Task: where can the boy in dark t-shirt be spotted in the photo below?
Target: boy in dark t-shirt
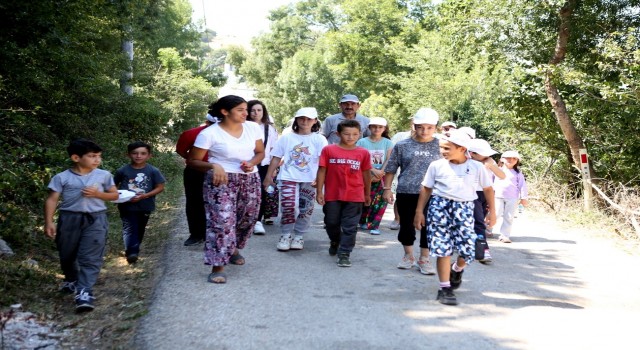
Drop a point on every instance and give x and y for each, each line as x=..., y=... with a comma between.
x=146, y=181
x=344, y=175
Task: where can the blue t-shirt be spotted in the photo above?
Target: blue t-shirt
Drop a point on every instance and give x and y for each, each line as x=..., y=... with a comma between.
x=378, y=150
x=139, y=181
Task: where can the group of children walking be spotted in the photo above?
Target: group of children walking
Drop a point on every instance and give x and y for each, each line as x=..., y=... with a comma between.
x=446, y=190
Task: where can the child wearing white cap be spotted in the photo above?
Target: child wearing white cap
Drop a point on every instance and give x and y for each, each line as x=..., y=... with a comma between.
x=509, y=191
x=449, y=187
x=379, y=146
x=413, y=156
x=299, y=152
x=481, y=151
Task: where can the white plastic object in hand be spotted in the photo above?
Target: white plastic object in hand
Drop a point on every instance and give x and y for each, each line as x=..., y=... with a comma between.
x=124, y=196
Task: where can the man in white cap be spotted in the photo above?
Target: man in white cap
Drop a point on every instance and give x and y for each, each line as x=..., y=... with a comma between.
x=349, y=104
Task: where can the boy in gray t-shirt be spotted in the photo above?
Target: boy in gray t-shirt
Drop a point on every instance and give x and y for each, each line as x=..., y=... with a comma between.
x=81, y=232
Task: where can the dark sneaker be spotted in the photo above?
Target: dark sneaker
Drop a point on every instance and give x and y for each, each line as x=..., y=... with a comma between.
x=343, y=260
x=446, y=296
x=333, y=248
x=455, y=278
x=191, y=241
x=132, y=258
x=84, y=301
x=68, y=287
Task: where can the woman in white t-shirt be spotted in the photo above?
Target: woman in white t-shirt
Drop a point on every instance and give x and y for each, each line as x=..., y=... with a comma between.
x=269, y=205
x=300, y=154
x=232, y=184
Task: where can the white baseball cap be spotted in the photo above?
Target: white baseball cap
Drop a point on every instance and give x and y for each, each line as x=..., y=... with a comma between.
x=511, y=154
x=308, y=112
x=426, y=116
x=349, y=98
x=378, y=121
x=458, y=137
x=449, y=124
x=469, y=131
x=481, y=147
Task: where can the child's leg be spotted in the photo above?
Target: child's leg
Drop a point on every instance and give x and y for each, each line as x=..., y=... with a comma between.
x=332, y=211
x=378, y=205
x=143, y=220
x=130, y=232
x=67, y=239
x=91, y=247
x=306, y=201
x=443, y=265
x=407, y=204
x=510, y=206
x=349, y=216
x=289, y=200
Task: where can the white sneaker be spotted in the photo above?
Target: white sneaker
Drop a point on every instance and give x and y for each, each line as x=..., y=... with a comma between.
x=258, y=229
x=487, y=257
x=394, y=225
x=285, y=243
x=407, y=262
x=426, y=268
x=297, y=243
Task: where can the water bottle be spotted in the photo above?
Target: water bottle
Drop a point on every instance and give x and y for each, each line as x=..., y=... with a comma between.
x=520, y=208
x=271, y=189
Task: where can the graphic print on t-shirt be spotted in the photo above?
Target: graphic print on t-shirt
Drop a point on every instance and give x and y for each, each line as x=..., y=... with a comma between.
x=300, y=157
x=377, y=157
x=353, y=164
x=139, y=183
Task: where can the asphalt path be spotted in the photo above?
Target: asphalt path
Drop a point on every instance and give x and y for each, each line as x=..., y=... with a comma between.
x=552, y=288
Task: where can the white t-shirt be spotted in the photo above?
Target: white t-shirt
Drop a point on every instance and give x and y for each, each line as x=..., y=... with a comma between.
x=457, y=182
x=300, y=154
x=229, y=151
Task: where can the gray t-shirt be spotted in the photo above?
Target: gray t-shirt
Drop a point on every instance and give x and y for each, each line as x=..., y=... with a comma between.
x=139, y=181
x=413, y=159
x=330, y=126
x=70, y=185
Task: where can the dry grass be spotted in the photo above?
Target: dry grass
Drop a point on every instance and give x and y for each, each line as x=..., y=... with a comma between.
x=602, y=221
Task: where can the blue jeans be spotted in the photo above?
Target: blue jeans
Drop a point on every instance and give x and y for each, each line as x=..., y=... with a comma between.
x=134, y=224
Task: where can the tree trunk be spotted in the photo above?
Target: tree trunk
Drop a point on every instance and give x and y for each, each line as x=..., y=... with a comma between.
x=553, y=95
x=557, y=103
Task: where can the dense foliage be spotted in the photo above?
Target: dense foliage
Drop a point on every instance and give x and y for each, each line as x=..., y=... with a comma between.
x=60, y=79
x=481, y=63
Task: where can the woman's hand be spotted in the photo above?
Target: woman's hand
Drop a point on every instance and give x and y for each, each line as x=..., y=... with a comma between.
x=376, y=175
x=268, y=181
x=246, y=166
x=219, y=175
x=388, y=196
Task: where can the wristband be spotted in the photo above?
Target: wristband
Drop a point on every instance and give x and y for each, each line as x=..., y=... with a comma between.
x=387, y=188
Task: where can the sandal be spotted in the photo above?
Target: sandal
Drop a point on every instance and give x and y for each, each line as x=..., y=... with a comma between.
x=214, y=275
x=237, y=259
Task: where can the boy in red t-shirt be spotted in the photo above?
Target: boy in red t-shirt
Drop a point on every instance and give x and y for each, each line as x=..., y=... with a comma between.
x=344, y=175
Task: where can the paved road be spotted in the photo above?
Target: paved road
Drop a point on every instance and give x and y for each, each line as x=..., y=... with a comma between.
x=550, y=289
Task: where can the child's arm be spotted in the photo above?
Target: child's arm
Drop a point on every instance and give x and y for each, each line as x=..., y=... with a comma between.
x=491, y=164
x=523, y=191
x=490, y=220
x=275, y=164
x=322, y=173
x=50, y=205
x=111, y=194
x=366, y=174
x=387, y=195
x=156, y=190
x=419, y=220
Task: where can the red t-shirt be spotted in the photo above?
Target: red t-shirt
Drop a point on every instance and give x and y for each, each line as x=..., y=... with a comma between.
x=188, y=138
x=344, y=180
